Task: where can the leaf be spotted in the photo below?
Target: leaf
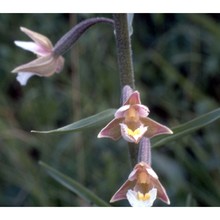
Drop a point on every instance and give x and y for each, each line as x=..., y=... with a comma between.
x=73, y=186
x=187, y=128
x=90, y=122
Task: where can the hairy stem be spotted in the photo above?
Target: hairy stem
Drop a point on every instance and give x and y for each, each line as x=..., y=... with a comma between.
x=123, y=43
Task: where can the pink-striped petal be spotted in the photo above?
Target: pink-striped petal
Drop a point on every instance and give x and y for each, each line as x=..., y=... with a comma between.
x=40, y=39
x=43, y=66
x=111, y=130
x=161, y=192
x=154, y=128
x=121, y=193
x=133, y=99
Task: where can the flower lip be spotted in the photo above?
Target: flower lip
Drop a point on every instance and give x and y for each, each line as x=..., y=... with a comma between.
x=23, y=77
x=138, y=199
x=132, y=135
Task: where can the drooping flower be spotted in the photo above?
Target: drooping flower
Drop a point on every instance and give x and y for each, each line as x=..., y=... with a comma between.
x=141, y=188
x=132, y=122
x=47, y=62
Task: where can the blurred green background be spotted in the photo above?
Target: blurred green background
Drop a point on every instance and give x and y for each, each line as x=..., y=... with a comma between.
x=176, y=63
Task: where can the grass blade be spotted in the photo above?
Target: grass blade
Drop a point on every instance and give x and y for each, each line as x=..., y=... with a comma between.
x=73, y=186
x=90, y=122
x=187, y=128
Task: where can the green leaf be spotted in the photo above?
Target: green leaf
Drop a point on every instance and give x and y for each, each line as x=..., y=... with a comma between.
x=74, y=186
x=187, y=128
x=90, y=122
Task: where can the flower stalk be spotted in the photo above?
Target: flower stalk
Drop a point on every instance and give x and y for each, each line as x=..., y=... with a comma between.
x=66, y=42
x=123, y=44
x=144, y=153
x=126, y=71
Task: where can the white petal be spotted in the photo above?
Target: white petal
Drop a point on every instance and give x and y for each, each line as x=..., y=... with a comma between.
x=152, y=173
x=143, y=111
x=133, y=200
x=120, y=112
x=31, y=46
x=23, y=77
x=153, y=196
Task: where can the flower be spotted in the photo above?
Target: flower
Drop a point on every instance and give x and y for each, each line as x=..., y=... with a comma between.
x=47, y=62
x=131, y=122
x=142, y=187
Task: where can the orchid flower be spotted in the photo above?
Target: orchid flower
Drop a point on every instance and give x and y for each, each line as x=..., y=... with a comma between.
x=142, y=187
x=47, y=62
x=132, y=122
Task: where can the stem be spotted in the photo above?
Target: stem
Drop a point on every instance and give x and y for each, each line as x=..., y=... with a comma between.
x=125, y=64
x=123, y=44
x=133, y=152
x=67, y=41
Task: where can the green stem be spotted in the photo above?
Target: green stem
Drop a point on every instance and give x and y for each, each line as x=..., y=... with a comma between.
x=133, y=152
x=123, y=43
